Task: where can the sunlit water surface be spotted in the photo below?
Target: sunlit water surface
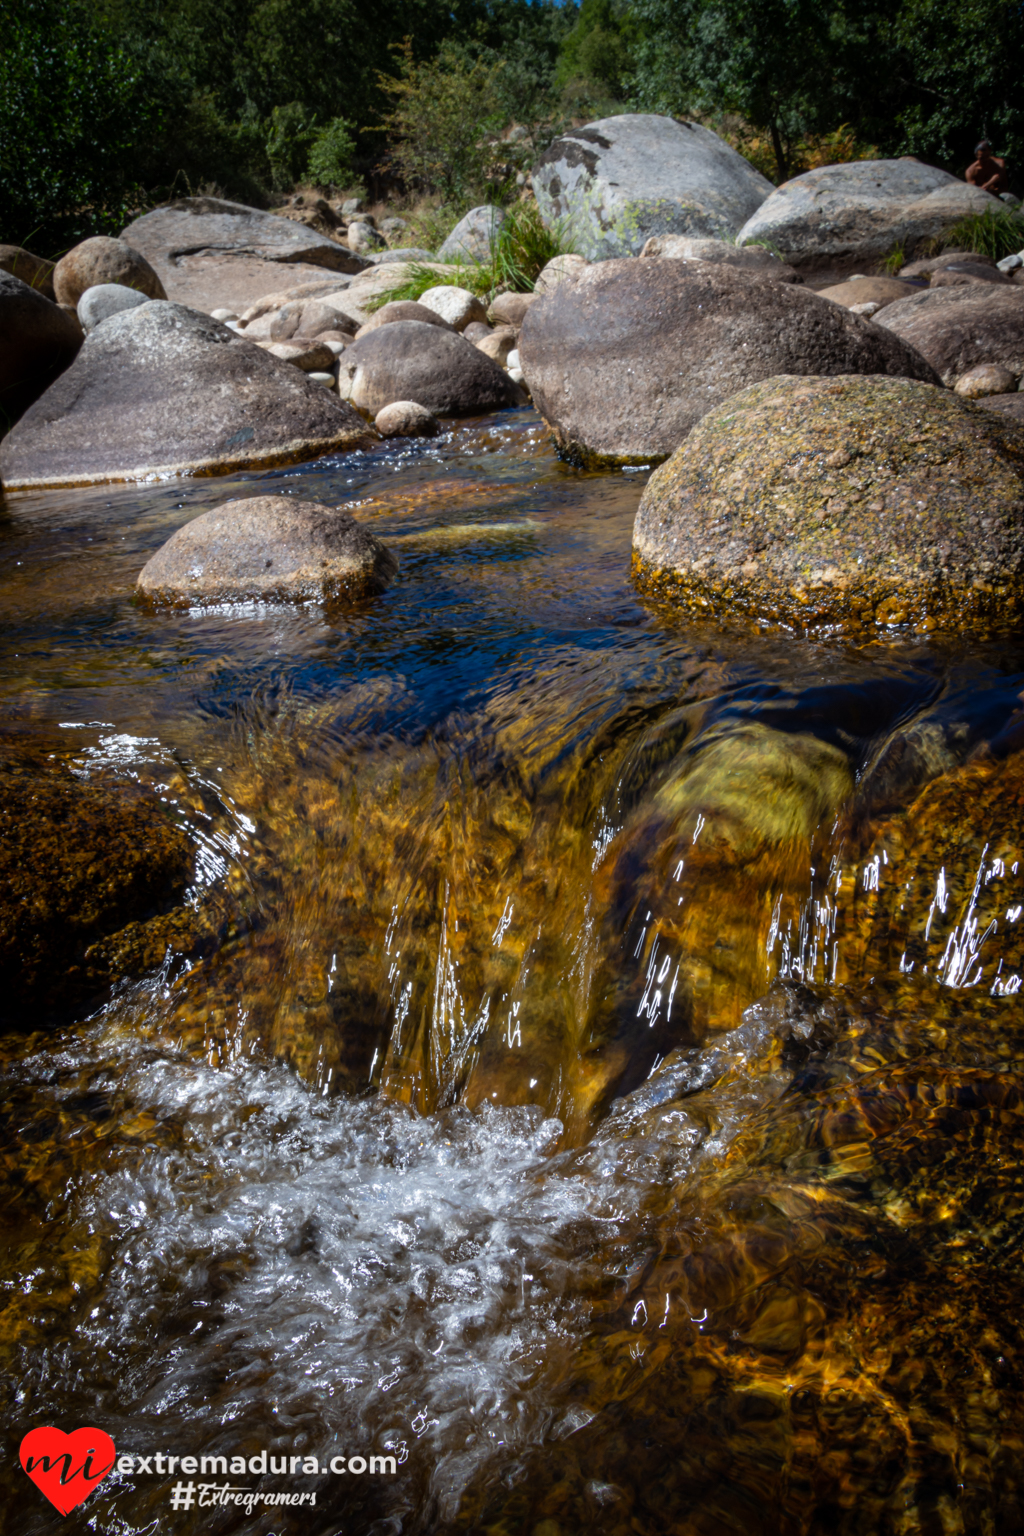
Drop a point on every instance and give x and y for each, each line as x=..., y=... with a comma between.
x=603, y=1095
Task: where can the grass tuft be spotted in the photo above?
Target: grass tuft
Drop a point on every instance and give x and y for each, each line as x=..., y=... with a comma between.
x=996, y=233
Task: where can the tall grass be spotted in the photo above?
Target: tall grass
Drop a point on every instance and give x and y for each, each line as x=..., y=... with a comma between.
x=520, y=251
x=997, y=232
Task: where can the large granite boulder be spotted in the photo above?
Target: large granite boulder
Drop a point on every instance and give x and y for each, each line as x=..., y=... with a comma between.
x=267, y=549
x=849, y=503
x=426, y=363
x=626, y=357
x=162, y=390
x=211, y=225
x=78, y=862
x=103, y=260
x=618, y=181
x=957, y=328
x=473, y=237
x=858, y=212
x=39, y=340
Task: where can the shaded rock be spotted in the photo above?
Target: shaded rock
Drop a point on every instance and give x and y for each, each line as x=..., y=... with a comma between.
x=412, y=361
x=362, y=238
x=926, y=265
x=624, y=360
x=1011, y=405
x=102, y=260
x=963, y=274
x=851, y=502
x=309, y=355
x=36, y=271
x=455, y=305
x=478, y=330
x=392, y=228
x=985, y=379
x=860, y=210
x=957, y=328
x=473, y=237
x=336, y=340
x=879, y=291
x=499, y=345
x=39, y=342
x=509, y=308
x=268, y=549
x=77, y=863
x=402, y=309
x=106, y=299
x=694, y=248
x=351, y=206
x=620, y=180
x=560, y=269
x=406, y=418
x=164, y=390
x=209, y=225
x=316, y=316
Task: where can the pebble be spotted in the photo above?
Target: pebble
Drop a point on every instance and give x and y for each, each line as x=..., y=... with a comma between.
x=327, y=379
x=223, y=314
x=406, y=418
x=985, y=379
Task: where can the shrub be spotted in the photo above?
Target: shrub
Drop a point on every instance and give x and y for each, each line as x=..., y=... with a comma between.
x=291, y=131
x=331, y=155
x=443, y=123
x=997, y=232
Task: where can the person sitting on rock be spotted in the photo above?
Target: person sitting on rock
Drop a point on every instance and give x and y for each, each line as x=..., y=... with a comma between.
x=988, y=170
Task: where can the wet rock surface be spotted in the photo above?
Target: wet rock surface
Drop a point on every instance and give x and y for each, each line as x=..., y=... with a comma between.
x=78, y=863
x=268, y=549
x=427, y=363
x=625, y=358
x=621, y=180
x=958, y=328
x=39, y=342
x=164, y=390
x=850, y=502
x=861, y=210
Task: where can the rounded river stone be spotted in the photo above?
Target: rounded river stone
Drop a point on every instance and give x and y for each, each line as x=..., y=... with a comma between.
x=851, y=503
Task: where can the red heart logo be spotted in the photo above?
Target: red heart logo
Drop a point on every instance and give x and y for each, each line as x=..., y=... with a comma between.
x=67, y=1467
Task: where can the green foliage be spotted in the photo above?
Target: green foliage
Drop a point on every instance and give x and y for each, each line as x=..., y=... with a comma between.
x=331, y=155
x=292, y=131
x=73, y=104
x=997, y=232
x=442, y=123
x=596, y=59
x=419, y=278
x=895, y=261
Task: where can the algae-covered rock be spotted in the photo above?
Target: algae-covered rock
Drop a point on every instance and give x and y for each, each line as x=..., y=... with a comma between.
x=850, y=502
x=79, y=862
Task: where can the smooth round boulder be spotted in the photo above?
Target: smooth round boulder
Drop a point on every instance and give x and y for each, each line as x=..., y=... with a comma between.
x=39, y=341
x=105, y=299
x=955, y=329
x=509, y=308
x=856, y=503
x=412, y=361
x=163, y=390
x=694, y=248
x=624, y=359
x=986, y=379
x=103, y=260
x=402, y=309
x=36, y=271
x=878, y=291
x=268, y=549
x=456, y=305
x=362, y=238
x=500, y=344
x=406, y=418
x=560, y=269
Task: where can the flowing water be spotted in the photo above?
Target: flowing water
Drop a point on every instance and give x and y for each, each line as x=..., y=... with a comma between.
x=602, y=1090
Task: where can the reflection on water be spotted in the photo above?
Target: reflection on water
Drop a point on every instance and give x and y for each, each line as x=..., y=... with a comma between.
x=603, y=1094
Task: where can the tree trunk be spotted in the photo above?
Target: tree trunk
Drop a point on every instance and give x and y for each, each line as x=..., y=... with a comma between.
x=780, y=153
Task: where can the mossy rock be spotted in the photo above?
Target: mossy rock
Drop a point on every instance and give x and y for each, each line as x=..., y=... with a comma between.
x=855, y=503
x=78, y=863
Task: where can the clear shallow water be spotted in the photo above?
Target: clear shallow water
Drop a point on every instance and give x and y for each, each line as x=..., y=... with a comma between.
x=605, y=1099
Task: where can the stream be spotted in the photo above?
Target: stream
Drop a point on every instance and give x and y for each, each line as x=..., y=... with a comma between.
x=602, y=1101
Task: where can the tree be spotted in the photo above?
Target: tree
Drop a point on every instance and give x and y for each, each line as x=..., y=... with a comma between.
x=442, y=117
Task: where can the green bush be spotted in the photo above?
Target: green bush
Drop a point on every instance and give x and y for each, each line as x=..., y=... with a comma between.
x=74, y=109
x=331, y=155
x=443, y=125
x=291, y=132
x=997, y=232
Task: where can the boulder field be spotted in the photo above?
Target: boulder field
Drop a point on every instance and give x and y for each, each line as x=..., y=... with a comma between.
x=853, y=503
x=620, y=180
x=162, y=390
x=625, y=358
x=267, y=549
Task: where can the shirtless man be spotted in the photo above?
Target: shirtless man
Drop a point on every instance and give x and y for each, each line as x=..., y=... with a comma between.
x=988, y=171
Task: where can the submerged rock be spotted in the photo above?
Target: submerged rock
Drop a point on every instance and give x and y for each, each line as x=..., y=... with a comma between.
x=40, y=340
x=78, y=862
x=849, y=502
x=427, y=363
x=162, y=390
x=958, y=328
x=620, y=180
x=103, y=260
x=625, y=358
x=268, y=549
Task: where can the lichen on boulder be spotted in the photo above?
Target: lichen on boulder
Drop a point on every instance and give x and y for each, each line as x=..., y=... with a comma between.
x=854, y=503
